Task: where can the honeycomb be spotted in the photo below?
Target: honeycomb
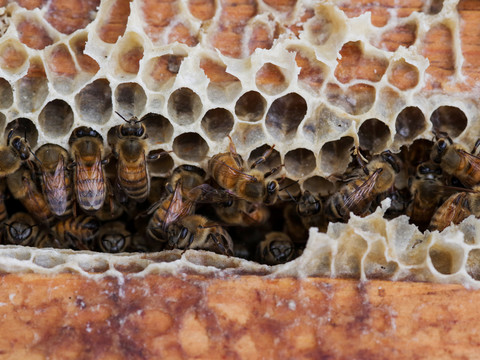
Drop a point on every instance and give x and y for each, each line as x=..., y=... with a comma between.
x=311, y=78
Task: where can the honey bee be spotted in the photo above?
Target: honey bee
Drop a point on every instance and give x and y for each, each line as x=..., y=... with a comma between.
x=56, y=181
x=457, y=161
x=24, y=189
x=89, y=176
x=113, y=237
x=77, y=232
x=45, y=239
x=12, y=155
x=198, y=232
x=242, y=213
x=20, y=229
x=358, y=193
x=229, y=171
x=276, y=248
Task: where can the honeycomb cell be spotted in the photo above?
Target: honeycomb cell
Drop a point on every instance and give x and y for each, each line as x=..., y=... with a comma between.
x=3, y=121
x=113, y=24
x=409, y=124
x=184, y=106
x=223, y=87
x=318, y=185
x=473, y=264
x=202, y=9
x=157, y=18
x=312, y=72
x=302, y=17
x=182, y=34
x=246, y=136
x=77, y=44
x=321, y=27
x=335, y=155
x=300, y=162
x=449, y=119
x=94, y=102
x=270, y=79
x=31, y=4
x=130, y=99
x=217, y=123
x=447, y=259
x=6, y=94
x=32, y=89
x=288, y=188
x=261, y=36
x=284, y=116
x=285, y=6
x=160, y=72
x=12, y=56
x=402, y=35
x=355, y=100
x=250, y=106
x=373, y=135
x=325, y=124
x=130, y=52
x=433, y=7
x=74, y=14
x=61, y=64
x=33, y=34
x=25, y=128
x=190, y=146
x=56, y=119
x=350, y=253
x=403, y=75
x=162, y=165
x=272, y=161
x=159, y=129
x=354, y=65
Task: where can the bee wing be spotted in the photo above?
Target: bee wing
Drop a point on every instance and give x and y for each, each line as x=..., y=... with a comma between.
x=229, y=171
x=473, y=160
x=56, y=187
x=362, y=191
x=178, y=207
x=90, y=184
x=208, y=194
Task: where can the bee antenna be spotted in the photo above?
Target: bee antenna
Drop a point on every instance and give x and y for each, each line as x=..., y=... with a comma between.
x=127, y=121
x=287, y=186
x=291, y=196
x=9, y=137
x=35, y=156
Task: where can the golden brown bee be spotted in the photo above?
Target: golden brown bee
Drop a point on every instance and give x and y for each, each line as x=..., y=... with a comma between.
x=198, y=232
x=457, y=161
x=229, y=171
x=240, y=212
x=113, y=237
x=45, y=239
x=20, y=229
x=24, y=189
x=56, y=181
x=277, y=248
x=89, y=176
x=12, y=155
x=77, y=232
x=357, y=194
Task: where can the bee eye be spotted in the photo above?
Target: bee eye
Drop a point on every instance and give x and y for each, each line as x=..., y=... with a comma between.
x=140, y=132
x=442, y=145
x=184, y=233
x=271, y=187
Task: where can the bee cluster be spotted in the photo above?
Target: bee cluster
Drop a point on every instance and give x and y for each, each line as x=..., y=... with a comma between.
x=85, y=201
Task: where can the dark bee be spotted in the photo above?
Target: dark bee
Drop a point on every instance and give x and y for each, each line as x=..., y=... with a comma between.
x=113, y=237
x=14, y=154
x=20, y=229
x=77, y=232
x=277, y=248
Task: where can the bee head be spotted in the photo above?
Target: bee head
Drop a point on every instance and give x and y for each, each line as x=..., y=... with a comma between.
x=21, y=147
x=281, y=250
x=132, y=127
x=391, y=159
x=439, y=150
x=113, y=243
x=272, y=192
x=84, y=131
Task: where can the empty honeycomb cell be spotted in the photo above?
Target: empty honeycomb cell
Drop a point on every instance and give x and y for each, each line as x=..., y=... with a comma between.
x=284, y=116
x=261, y=37
x=94, y=102
x=355, y=100
x=161, y=71
x=403, y=75
x=250, y=106
x=202, y=9
x=373, y=135
x=325, y=124
x=449, y=119
x=312, y=72
x=12, y=55
x=402, y=35
x=184, y=106
x=353, y=64
x=25, y=128
x=335, y=155
x=273, y=160
x=182, y=34
x=94, y=265
x=409, y=124
x=190, y=146
x=321, y=27
x=32, y=89
x=270, y=79
x=33, y=34
x=318, y=185
x=113, y=24
x=74, y=14
x=6, y=94
x=433, y=7
x=223, y=87
x=245, y=136
x=130, y=52
x=60, y=62
x=348, y=260
x=288, y=188
x=446, y=258
x=162, y=165
x=304, y=14
x=217, y=123
x=473, y=264
x=56, y=119
x=376, y=265
x=130, y=99
x=157, y=18
x=77, y=44
x=158, y=127
x=300, y=162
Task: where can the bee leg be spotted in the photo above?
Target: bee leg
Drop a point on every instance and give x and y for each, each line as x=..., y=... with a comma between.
x=263, y=158
x=273, y=171
x=71, y=165
x=219, y=245
x=156, y=156
x=475, y=148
